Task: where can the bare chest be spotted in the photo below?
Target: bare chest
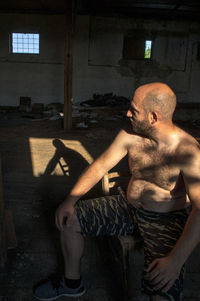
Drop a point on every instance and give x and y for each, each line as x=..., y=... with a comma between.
x=157, y=167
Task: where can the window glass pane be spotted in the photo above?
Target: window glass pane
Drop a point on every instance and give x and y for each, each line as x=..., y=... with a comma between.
x=25, y=43
x=147, y=54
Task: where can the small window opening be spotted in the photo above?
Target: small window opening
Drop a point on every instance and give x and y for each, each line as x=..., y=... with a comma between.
x=26, y=43
x=135, y=48
x=147, y=53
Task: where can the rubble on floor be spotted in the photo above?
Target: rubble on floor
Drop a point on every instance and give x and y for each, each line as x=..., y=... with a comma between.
x=107, y=99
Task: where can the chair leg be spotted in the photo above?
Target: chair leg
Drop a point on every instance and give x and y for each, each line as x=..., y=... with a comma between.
x=126, y=271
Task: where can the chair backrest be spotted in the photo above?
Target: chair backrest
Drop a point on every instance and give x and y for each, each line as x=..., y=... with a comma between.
x=114, y=180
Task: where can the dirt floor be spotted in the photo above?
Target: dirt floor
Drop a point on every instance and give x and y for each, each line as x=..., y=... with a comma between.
x=40, y=163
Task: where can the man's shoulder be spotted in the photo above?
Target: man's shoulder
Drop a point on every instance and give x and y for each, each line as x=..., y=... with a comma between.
x=187, y=145
x=128, y=134
x=188, y=156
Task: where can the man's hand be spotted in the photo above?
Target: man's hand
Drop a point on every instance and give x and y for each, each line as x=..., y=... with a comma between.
x=64, y=215
x=163, y=272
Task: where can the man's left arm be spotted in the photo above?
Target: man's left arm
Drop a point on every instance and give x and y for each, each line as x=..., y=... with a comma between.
x=164, y=271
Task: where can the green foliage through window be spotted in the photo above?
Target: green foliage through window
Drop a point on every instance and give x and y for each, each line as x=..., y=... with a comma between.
x=148, y=45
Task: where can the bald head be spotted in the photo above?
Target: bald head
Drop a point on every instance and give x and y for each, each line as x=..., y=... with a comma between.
x=158, y=97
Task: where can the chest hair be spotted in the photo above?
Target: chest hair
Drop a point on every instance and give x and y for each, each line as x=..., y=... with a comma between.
x=157, y=166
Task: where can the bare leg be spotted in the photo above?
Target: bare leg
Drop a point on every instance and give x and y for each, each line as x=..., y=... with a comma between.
x=72, y=244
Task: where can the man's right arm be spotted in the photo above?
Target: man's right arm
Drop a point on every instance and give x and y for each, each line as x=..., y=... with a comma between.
x=115, y=152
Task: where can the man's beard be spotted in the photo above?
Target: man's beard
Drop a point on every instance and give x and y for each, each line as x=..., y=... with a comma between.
x=142, y=128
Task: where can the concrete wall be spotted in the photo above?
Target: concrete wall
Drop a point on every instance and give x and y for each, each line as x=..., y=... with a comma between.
x=98, y=66
x=37, y=76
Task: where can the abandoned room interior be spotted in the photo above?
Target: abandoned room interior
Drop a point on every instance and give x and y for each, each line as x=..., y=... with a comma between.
x=68, y=71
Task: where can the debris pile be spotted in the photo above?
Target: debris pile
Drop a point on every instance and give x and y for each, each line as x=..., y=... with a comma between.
x=196, y=123
x=53, y=111
x=100, y=108
x=107, y=99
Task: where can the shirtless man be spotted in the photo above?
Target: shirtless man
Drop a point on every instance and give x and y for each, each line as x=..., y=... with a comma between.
x=163, y=199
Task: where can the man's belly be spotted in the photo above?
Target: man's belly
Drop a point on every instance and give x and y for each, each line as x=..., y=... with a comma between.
x=148, y=196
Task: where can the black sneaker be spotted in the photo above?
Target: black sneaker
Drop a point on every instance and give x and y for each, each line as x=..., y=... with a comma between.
x=55, y=288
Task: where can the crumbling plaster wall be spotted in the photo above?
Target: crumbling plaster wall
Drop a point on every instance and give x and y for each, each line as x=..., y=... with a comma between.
x=98, y=65
x=100, y=68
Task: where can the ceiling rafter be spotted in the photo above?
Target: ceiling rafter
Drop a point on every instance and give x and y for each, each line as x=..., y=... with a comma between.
x=185, y=9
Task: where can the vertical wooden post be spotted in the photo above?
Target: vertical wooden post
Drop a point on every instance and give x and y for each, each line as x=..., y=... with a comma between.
x=68, y=67
x=3, y=247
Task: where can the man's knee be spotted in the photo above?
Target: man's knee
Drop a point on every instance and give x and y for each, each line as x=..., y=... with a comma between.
x=72, y=225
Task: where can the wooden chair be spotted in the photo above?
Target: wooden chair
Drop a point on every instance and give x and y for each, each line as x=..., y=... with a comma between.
x=116, y=180
x=112, y=182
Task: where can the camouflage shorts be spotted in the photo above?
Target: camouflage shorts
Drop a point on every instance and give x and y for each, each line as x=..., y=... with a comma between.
x=112, y=215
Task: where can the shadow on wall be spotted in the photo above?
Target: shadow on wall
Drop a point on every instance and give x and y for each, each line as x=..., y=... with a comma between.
x=55, y=187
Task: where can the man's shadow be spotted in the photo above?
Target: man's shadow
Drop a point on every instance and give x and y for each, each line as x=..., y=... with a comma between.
x=71, y=164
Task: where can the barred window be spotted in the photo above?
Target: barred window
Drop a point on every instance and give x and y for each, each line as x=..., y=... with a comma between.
x=26, y=43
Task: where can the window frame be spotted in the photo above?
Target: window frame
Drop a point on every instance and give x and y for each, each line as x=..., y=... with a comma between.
x=139, y=54
x=13, y=52
x=145, y=49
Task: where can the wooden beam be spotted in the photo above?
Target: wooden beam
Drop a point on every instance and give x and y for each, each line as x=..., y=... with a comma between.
x=28, y=11
x=3, y=244
x=68, y=67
